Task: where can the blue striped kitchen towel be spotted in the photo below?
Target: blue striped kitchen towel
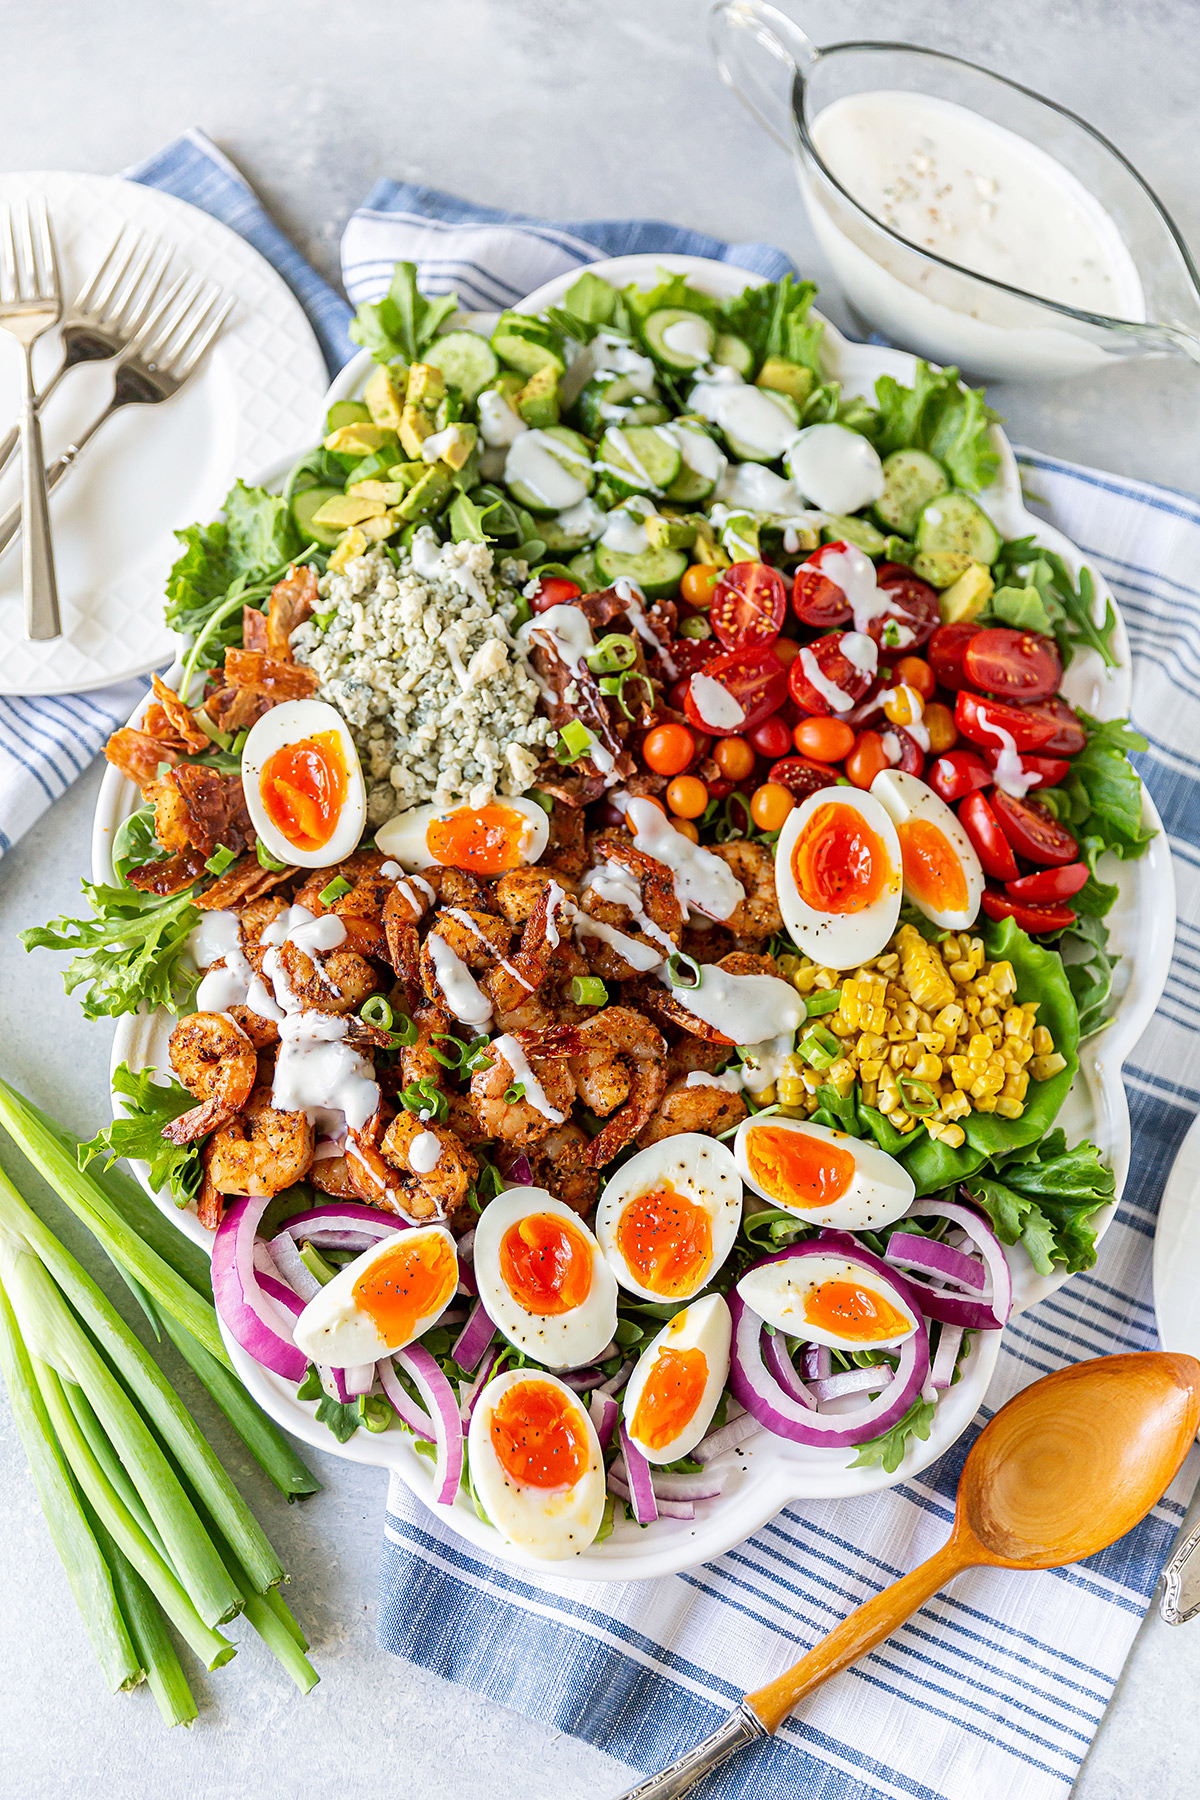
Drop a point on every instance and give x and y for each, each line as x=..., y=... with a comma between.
x=995, y=1689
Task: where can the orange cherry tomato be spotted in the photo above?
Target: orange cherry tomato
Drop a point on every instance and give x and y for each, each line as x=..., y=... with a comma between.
x=785, y=650
x=698, y=583
x=825, y=740
x=687, y=796
x=734, y=757
x=943, y=732
x=902, y=705
x=914, y=672
x=770, y=805
x=686, y=829
x=668, y=749
x=867, y=759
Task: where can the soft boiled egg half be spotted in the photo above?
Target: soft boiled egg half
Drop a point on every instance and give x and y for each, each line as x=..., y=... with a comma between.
x=942, y=873
x=488, y=840
x=673, y=1392
x=826, y=1177
x=382, y=1300
x=668, y=1219
x=304, y=784
x=536, y=1465
x=838, y=876
x=543, y=1279
x=829, y=1299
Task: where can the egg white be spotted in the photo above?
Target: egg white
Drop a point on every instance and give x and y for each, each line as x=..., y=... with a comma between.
x=566, y=1340
x=706, y=1326
x=778, y=1292
x=699, y=1168
x=403, y=837
x=904, y=797
x=548, y=1522
x=880, y=1191
x=288, y=724
x=333, y=1329
x=839, y=940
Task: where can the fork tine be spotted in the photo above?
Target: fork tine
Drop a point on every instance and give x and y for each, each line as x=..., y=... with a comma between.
x=50, y=287
x=112, y=301
x=192, y=322
x=133, y=317
x=181, y=371
x=8, y=258
x=129, y=302
x=26, y=267
x=166, y=317
x=97, y=290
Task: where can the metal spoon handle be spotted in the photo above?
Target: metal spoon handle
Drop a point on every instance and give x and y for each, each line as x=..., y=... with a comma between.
x=739, y=1729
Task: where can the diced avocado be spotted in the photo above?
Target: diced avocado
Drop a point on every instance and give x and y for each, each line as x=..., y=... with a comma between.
x=739, y=537
x=415, y=427
x=356, y=440
x=707, y=550
x=426, y=497
x=347, y=509
x=426, y=386
x=408, y=473
x=537, y=401
x=375, y=530
x=387, y=491
x=351, y=543
x=375, y=466
x=456, y=443
x=384, y=401
x=527, y=344
x=966, y=597
x=941, y=568
x=786, y=378
x=667, y=533
x=807, y=537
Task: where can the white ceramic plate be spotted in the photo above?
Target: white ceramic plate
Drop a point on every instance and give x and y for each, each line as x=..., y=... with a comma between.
x=768, y=1471
x=152, y=468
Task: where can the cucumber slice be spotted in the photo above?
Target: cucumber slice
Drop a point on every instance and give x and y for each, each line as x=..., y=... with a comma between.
x=954, y=523
x=679, y=338
x=466, y=360
x=583, y=570
x=733, y=353
x=853, y=530
x=941, y=568
x=304, y=505
x=569, y=449
x=612, y=391
x=703, y=465
x=747, y=452
x=527, y=344
x=346, y=412
x=640, y=459
x=657, y=572
x=910, y=480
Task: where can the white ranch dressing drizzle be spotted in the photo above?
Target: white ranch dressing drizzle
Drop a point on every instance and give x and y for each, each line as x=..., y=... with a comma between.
x=463, y=995
x=566, y=630
x=499, y=422
x=1009, y=772
x=738, y=535
x=828, y=690
x=544, y=465
x=860, y=651
x=218, y=936
x=836, y=468
x=729, y=1082
x=424, y=1153
x=465, y=919
x=616, y=356
x=743, y=412
x=689, y=337
x=632, y=595
x=701, y=454
x=585, y=521
x=639, y=956
x=318, y=1073
x=518, y=1062
x=701, y=879
x=626, y=529
x=745, y=1008
x=716, y=705
x=555, y=898
x=621, y=887
x=757, y=488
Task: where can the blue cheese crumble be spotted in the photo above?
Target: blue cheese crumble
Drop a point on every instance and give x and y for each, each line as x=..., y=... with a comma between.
x=423, y=662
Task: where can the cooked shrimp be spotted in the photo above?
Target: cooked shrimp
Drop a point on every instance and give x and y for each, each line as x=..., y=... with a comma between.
x=337, y=983
x=618, y=1064
x=215, y=1061
x=262, y=1150
x=695, y=1053
x=684, y=1108
x=566, y=848
x=427, y=1193
x=635, y=896
x=512, y=981
x=411, y=898
x=758, y=915
x=261, y=1032
x=257, y=915
x=518, y=892
x=520, y=1121
x=331, y=1175
x=560, y=1165
x=476, y=938
x=361, y=909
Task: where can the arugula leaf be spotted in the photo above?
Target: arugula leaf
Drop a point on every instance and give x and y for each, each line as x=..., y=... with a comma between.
x=941, y=415
x=342, y=1420
x=150, y=1105
x=890, y=1446
x=1022, y=607
x=1104, y=776
x=404, y=322
x=772, y=1229
x=774, y=321
x=1045, y=1198
x=132, y=949
x=670, y=290
x=588, y=305
x=1068, y=606
x=135, y=843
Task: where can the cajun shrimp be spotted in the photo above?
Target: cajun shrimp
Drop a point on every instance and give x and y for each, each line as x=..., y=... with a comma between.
x=520, y=1120
x=634, y=896
x=758, y=915
x=475, y=939
x=260, y=1151
x=512, y=983
x=617, y=1063
x=215, y=1061
x=434, y=1180
x=704, y=1108
x=560, y=1165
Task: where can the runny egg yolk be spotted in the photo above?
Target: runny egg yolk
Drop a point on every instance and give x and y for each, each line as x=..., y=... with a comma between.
x=536, y=1436
x=933, y=871
x=546, y=1264
x=487, y=839
x=411, y=1281
x=839, y=864
x=303, y=788
x=666, y=1241
x=800, y=1170
x=853, y=1311
x=674, y=1389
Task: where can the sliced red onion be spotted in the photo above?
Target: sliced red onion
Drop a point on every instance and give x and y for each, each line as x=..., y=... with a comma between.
x=344, y=1226
x=676, y=1487
x=816, y=1362
x=282, y=1295
x=726, y=1437
x=473, y=1339
x=781, y=1366
x=484, y=1375
x=905, y=1250
x=466, y=1246
x=604, y=1410
x=360, y=1380
x=438, y=1396
x=667, y=1509
x=851, y=1381
x=956, y=1309
x=264, y=1262
x=641, y=1486
x=618, y=1381
x=946, y=1356
x=291, y=1266
x=406, y=1408
x=335, y=1385
x=581, y=1380
x=257, y=1318
x=521, y=1174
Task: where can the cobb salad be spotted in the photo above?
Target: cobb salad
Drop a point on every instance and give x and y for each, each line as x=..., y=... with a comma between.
x=632, y=891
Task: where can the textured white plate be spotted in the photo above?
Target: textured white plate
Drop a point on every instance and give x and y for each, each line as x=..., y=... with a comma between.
x=768, y=1472
x=152, y=469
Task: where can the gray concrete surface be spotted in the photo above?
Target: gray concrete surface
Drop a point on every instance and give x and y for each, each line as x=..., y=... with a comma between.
x=561, y=107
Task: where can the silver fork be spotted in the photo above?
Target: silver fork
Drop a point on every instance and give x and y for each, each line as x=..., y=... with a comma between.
x=107, y=314
x=155, y=366
x=30, y=303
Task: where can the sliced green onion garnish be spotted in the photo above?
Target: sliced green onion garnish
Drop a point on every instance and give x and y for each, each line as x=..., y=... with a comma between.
x=376, y=1011
x=423, y=1097
x=695, y=627
x=545, y=801
x=514, y=1093
x=452, y=1056
x=239, y=742
x=220, y=860
x=376, y=1412
x=612, y=654
x=825, y=1001
x=820, y=1048
x=588, y=990
x=684, y=971
x=614, y=686
x=918, y=1097
x=404, y=1031
x=266, y=859
x=222, y=739
x=574, y=741
x=315, y=1263
x=336, y=888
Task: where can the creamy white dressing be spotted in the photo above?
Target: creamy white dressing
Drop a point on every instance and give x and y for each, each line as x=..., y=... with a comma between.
x=555, y=899
x=756, y=488
x=616, y=356
x=689, y=337
x=585, y=521
x=748, y=1009
x=701, y=879
x=1009, y=771
x=632, y=595
x=836, y=468
x=218, y=938
x=462, y=993
x=739, y=536
x=566, y=630
x=318, y=1073
x=433, y=446
x=748, y=414
x=619, y=441
x=701, y=454
x=860, y=651
x=499, y=422
x=829, y=691
x=424, y=1153
x=464, y=918
x=718, y=709
x=625, y=531
x=730, y=1082
x=621, y=887
x=518, y=1062
x=763, y=1064
x=639, y=956
x=550, y=469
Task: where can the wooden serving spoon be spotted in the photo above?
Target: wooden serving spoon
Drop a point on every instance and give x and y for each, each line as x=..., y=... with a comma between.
x=1067, y=1467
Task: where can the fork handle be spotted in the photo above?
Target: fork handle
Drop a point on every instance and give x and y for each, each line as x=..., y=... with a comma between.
x=10, y=524
x=10, y=444
x=38, y=581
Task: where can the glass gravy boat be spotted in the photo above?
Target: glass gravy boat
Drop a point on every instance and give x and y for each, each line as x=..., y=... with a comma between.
x=915, y=297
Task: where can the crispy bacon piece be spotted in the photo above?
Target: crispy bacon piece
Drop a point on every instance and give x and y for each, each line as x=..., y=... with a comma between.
x=291, y=603
x=180, y=716
x=138, y=755
x=234, y=709
x=170, y=876
x=246, y=880
x=263, y=674
x=254, y=629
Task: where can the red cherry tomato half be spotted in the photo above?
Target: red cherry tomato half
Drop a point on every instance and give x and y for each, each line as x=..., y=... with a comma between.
x=869, y=711
x=947, y=648
x=801, y=777
x=554, y=590
x=983, y=720
x=1033, y=831
x=816, y=600
x=772, y=737
x=835, y=668
x=1017, y=665
x=757, y=683
x=1069, y=736
x=690, y=654
x=1050, y=770
x=1050, y=884
x=912, y=617
x=911, y=756
x=749, y=605
x=1030, y=918
x=958, y=773
x=991, y=846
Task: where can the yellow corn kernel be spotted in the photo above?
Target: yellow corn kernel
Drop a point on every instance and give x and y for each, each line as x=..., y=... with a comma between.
x=870, y=1044
x=1016, y=1086
x=979, y=1047
x=1004, y=980
x=1043, y=1043
x=888, y=964
x=988, y=1016
x=955, y=1105
x=985, y=1103
x=1043, y=1067
x=825, y=979
x=766, y=1096
x=901, y=1121
x=841, y=1076
x=871, y=1068
x=1009, y=1109
x=928, y=1068
x=789, y=1090
x=950, y=1135
x=1018, y=1023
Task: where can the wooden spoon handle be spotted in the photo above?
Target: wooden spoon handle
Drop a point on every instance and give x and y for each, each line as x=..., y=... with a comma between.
x=859, y=1633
